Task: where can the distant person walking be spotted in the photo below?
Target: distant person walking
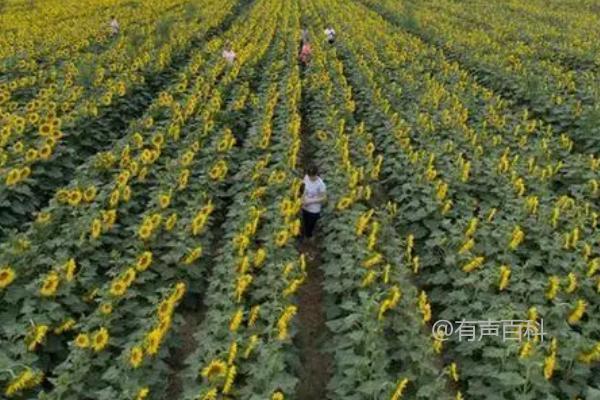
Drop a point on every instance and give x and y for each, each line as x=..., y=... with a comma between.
x=305, y=53
x=330, y=33
x=228, y=53
x=114, y=26
x=315, y=194
x=304, y=35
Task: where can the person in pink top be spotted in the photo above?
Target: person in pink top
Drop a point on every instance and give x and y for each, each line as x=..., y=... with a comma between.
x=305, y=53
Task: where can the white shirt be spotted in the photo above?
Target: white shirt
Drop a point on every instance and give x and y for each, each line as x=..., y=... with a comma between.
x=313, y=190
x=114, y=26
x=330, y=33
x=229, y=55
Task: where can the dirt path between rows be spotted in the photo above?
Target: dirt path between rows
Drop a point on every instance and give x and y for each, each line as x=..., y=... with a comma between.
x=315, y=364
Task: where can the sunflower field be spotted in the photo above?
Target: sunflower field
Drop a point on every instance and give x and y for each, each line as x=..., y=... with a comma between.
x=151, y=194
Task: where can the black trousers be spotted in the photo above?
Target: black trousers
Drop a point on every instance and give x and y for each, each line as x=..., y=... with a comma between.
x=309, y=221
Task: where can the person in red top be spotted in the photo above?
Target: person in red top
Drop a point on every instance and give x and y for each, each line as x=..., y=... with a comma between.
x=305, y=53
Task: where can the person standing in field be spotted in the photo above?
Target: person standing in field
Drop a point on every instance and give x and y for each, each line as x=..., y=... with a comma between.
x=114, y=26
x=330, y=33
x=229, y=54
x=315, y=194
x=304, y=35
x=305, y=53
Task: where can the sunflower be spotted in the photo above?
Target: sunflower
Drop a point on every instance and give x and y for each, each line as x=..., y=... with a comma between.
x=344, y=203
x=82, y=340
x=153, y=339
x=33, y=118
x=18, y=147
x=369, y=149
x=155, y=219
x=7, y=276
x=96, y=228
x=158, y=140
x=56, y=135
x=180, y=289
x=106, y=309
x=45, y=152
x=123, y=178
x=215, y=369
x=106, y=99
x=24, y=173
x=164, y=200
x=36, y=336
x=281, y=238
x=231, y=373
x=164, y=325
x=100, y=339
x=19, y=127
x=113, y=200
x=211, y=394
x=170, y=222
x=75, y=197
x=31, y=155
x=183, y=179
x=65, y=326
x=295, y=227
x=126, y=193
x=198, y=223
x=129, y=276
x=12, y=177
x=50, y=285
x=142, y=174
x=142, y=393
x=25, y=380
x=193, y=255
x=118, y=288
x=164, y=309
x=145, y=231
x=144, y=261
x=89, y=194
x=136, y=356
x=322, y=136
x=259, y=257
x=215, y=173
x=70, y=268
x=45, y=129
x=138, y=140
x=277, y=396
x=148, y=122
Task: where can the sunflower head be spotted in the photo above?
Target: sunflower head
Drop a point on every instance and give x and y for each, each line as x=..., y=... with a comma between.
x=75, y=197
x=153, y=341
x=136, y=356
x=50, y=284
x=100, y=339
x=129, y=276
x=106, y=308
x=118, y=288
x=7, y=276
x=144, y=261
x=82, y=340
x=96, y=228
x=45, y=129
x=215, y=369
x=89, y=194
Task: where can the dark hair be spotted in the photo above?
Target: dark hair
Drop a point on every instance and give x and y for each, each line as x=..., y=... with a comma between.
x=312, y=170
